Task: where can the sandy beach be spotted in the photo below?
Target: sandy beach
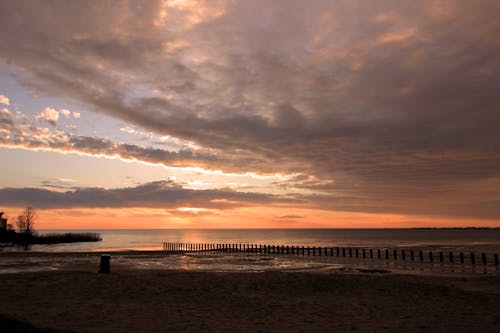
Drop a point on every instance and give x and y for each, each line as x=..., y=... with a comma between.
x=78, y=299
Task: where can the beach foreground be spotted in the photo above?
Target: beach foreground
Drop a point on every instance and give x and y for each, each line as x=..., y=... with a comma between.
x=133, y=300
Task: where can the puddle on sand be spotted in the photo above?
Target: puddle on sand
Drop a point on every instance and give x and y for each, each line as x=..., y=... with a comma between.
x=193, y=261
x=215, y=262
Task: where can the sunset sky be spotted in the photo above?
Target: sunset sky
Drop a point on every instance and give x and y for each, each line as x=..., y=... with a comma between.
x=250, y=114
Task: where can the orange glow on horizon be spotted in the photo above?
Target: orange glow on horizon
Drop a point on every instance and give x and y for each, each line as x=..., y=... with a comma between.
x=240, y=218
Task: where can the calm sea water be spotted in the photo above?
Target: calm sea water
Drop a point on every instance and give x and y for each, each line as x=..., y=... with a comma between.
x=443, y=239
x=453, y=240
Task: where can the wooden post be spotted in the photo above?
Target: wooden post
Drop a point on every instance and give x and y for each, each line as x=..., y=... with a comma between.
x=412, y=255
x=462, y=258
x=287, y=249
x=483, y=255
x=303, y=250
x=496, y=260
x=343, y=252
x=319, y=250
x=421, y=255
x=364, y=253
x=371, y=253
x=441, y=259
x=338, y=252
x=387, y=254
x=357, y=254
x=308, y=250
x=378, y=253
x=403, y=255
x=331, y=251
x=431, y=258
x=395, y=254
x=472, y=259
x=451, y=257
x=350, y=252
x=104, y=267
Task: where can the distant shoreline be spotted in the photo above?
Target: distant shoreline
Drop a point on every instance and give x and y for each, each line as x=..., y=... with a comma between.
x=22, y=239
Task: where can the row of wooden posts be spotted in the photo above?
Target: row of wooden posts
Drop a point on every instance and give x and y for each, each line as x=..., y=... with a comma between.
x=349, y=252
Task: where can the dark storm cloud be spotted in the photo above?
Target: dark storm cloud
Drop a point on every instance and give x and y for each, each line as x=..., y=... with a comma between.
x=160, y=194
x=381, y=102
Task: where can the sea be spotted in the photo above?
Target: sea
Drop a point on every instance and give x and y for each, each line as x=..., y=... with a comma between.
x=471, y=239
x=129, y=248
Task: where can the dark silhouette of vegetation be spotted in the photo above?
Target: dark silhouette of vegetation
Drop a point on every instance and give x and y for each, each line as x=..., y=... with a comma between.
x=66, y=238
x=26, y=233
x=26, y=222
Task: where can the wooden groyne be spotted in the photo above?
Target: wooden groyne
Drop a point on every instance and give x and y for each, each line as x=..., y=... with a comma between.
x=381, y=254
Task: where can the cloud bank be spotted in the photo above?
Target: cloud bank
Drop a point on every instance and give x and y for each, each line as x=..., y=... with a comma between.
x=160, y=194
x=382, y=102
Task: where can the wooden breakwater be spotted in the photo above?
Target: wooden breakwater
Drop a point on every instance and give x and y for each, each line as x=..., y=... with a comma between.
x=469, y=259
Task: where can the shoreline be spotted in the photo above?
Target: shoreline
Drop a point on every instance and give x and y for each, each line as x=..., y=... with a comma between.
x=31, y=261
x=135, y=300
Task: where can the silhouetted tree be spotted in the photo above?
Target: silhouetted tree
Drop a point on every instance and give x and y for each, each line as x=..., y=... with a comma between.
x=26, y=222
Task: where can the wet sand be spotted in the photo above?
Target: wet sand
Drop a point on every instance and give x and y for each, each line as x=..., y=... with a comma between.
x=133, y=300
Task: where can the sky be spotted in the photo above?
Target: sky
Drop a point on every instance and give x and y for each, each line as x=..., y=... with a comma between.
x=250, y=114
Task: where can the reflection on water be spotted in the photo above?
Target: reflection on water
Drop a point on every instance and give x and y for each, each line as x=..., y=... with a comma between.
x=79, y=255
x=437, y=239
